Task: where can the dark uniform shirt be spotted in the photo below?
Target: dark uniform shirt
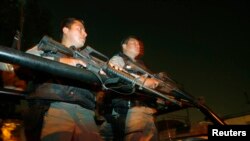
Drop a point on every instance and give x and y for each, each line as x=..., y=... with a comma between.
x=51, y=88
x=122, y=102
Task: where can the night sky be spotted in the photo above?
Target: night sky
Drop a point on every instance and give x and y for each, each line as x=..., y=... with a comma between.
x=203, y=45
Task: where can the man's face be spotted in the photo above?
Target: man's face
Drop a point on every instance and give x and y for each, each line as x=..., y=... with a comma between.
x=132, y=48
x=76, y=34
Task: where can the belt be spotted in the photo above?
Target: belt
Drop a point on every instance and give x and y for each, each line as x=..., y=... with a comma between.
x=123, y=105
x=133, y=103
x=129, y=103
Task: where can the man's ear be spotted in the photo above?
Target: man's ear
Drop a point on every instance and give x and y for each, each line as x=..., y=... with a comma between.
x=124, y=46
x=65, y=29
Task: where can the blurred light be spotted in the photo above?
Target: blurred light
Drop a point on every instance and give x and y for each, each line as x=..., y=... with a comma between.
x=12, y=130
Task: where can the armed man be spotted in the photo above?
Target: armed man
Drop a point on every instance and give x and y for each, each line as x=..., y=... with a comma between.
x=66, y=106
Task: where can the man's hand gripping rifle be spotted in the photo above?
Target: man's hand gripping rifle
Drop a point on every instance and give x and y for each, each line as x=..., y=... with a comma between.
x=166, y=86
x=94, y=59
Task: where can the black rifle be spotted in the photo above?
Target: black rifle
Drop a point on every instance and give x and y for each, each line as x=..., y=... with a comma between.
x=95, y=59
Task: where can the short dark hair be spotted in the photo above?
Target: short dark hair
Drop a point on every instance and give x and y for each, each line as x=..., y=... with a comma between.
x=67, y=22
x=125, y=41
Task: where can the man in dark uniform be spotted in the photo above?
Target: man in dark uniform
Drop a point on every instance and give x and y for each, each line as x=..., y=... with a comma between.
x=70, y=112
x=132, y=114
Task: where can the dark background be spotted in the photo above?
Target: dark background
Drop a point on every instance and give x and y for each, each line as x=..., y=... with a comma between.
x=202, y=44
